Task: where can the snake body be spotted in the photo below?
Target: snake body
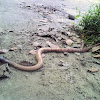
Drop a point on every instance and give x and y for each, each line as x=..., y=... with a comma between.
x=39, y=57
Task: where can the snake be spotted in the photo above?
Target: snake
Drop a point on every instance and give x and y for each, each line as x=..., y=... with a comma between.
x=39, y=57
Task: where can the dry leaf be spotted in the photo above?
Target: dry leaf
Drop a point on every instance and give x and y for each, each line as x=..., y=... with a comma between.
x=69, y=42
x=32, y=52
x=93, y=70
x=96, y=56
x=52, y=45
x=94, y=49
x=13, y=48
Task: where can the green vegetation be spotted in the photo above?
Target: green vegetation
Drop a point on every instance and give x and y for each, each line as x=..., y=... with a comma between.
x=89, y=25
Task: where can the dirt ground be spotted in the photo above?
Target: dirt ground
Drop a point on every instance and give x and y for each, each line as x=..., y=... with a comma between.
x=29, y=25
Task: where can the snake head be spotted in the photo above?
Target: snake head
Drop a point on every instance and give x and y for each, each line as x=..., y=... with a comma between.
x=2, y=59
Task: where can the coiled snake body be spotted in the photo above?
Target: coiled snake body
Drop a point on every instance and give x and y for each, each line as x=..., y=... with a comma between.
x=39, y=57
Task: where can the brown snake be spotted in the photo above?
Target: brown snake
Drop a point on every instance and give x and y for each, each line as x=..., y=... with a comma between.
x=39, y=57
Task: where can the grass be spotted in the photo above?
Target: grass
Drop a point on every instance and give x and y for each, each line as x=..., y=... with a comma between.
x=89, y=25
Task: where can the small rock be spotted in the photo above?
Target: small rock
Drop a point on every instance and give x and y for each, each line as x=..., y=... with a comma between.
x=78, y=54
x=72, y=17
x=3, y=77
x=69, y=34
x=69, y=42
x=36, y=44
x=4, y=71
x=66, y=53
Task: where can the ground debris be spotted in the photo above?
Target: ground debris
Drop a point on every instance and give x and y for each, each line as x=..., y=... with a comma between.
x=3, y=51
x=13, y=49
x=72, y=17
x=32, y=52
x=69, y=42
x=3, y=77
x=4, y=72
x=96, y=52
x=52, y=45
x=93, y=70
x=95, y=49
x=96, y=56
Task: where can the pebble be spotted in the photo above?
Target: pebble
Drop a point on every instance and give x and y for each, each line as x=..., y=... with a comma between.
x=69, y=42
x=78, y=54
x=66, y=53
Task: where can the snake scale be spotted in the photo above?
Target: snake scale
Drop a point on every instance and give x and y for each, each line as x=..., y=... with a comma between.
x=39, y=57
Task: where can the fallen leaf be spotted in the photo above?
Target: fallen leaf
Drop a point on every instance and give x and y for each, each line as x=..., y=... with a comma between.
x=32, y=52
x=94, y=49
x=52, y=45
x=69, y=42
x=13, y=48
x=93, y=70
x=96, y=56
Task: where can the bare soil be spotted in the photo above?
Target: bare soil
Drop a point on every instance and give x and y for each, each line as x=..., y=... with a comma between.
x=29, y=25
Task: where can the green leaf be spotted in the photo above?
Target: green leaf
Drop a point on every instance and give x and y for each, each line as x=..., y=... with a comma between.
x=77, y=16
